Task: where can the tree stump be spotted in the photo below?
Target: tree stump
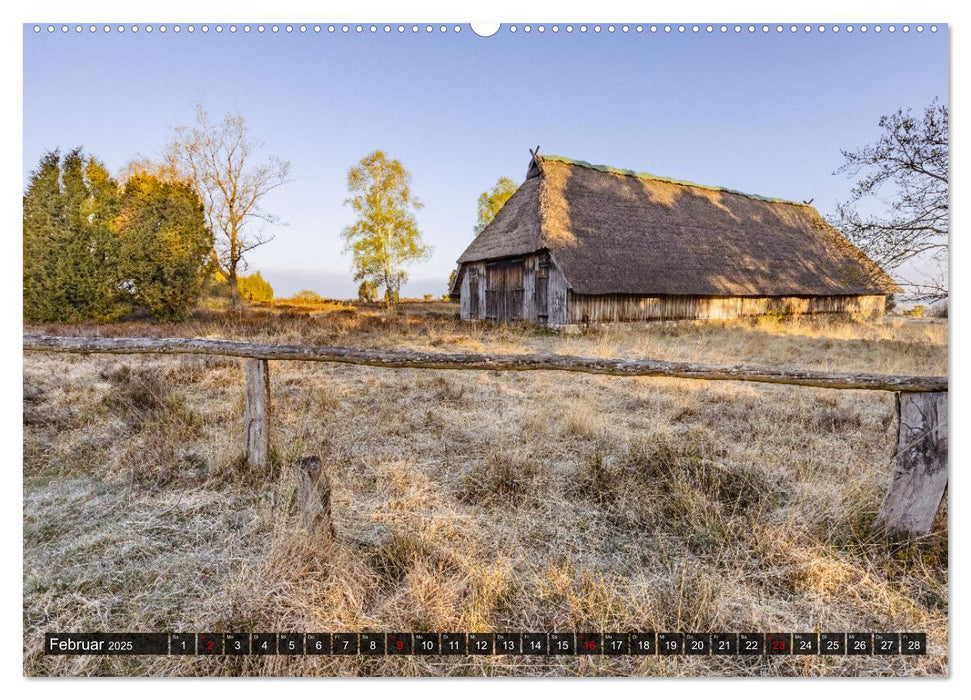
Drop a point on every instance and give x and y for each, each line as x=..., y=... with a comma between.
x=256, y=419
x=313, y=493
x=920, y=474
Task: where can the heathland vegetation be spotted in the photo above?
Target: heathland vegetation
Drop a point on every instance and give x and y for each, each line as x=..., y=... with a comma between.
x=476, y=501
x=462, y=501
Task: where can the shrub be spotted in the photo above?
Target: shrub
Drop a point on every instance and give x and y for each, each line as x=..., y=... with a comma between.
x=367, y=291
x=216, y=286
x=164, y=245
x=255, y=288
x=915, y=312
x=93, y=250
x=307, y=296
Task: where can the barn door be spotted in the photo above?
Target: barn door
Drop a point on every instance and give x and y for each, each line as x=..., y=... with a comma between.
x=473, y=293
x=541, y=288
x=493, y=291
x=504, y=291
x=514, y=290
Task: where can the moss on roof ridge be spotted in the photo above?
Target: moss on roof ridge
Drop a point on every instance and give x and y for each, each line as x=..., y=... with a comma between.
x=671, y=180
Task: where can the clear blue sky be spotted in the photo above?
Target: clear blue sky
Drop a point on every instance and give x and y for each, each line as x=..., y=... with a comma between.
x=760, y=113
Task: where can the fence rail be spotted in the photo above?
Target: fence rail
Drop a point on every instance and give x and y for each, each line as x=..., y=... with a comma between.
x=471, y=361
x=920, y=473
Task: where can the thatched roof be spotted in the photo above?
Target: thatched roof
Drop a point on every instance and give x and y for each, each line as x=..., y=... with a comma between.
x=619, y=232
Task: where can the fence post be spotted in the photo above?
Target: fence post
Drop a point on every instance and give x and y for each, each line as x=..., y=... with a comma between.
x=920, y=474
x=313, y=493
x=256, y=418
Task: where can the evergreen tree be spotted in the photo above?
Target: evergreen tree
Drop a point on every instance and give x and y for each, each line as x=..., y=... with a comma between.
x=70, y=248
x=43, y=213
x=165, y=245
x=91, y=251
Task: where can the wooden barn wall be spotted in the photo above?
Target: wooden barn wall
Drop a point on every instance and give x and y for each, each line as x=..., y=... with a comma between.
x=463, y=292
x=556, y=292
x=614, y=308
x=529, y=288
x=464, y=296
x=559, y=291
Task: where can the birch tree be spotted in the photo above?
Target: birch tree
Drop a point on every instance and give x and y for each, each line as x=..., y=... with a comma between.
x=385, y=238
x=491, y=201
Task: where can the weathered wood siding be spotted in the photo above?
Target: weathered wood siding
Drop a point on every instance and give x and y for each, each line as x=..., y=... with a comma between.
x=616, y=308
x=529, y=289
x=534, y=266
x=559, y=291
x=563, y=307
x=470, y=271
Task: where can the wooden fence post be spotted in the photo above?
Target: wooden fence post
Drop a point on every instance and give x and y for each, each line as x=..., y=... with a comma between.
x=256, y=418
x=920, y=474
x=313, y=493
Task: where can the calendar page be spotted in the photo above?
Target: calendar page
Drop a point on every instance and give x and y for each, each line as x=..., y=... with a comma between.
x=523, y=349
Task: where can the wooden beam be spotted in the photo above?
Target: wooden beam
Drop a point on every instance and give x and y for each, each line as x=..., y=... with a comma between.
x=469, y=361
x=920, y=473
x=256, y=418
x=313, y=493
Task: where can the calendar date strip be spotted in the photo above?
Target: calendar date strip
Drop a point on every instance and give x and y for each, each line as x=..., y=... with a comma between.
x=486, y=644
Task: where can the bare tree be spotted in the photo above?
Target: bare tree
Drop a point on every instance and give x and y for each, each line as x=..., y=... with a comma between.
x=218, y=159
x=907, y=169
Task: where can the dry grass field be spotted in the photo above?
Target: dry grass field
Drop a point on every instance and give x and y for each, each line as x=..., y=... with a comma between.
x=475, y=501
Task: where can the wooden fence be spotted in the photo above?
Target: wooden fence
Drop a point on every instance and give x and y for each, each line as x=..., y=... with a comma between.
x=920, y=472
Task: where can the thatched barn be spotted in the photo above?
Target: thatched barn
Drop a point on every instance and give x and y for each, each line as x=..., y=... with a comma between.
x=582, y=244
